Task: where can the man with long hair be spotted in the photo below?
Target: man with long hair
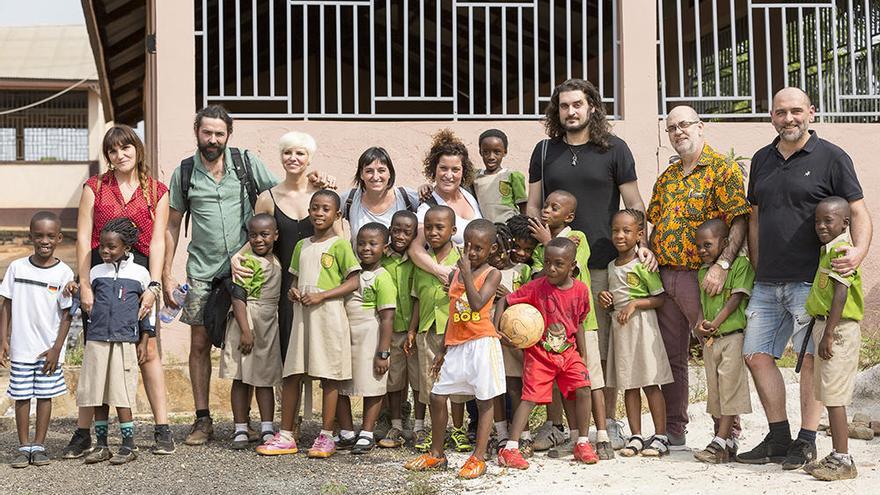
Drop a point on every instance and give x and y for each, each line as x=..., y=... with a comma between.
x=583, y=157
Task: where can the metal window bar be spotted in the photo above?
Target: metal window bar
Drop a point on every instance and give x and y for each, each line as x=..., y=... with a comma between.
x=301, y=47
x=56, y=130
x=829, y=48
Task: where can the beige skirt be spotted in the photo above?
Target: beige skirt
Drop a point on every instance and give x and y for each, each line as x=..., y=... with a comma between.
x=320, y=342
x=639, y=357
x=109, y=375
x=364, y=340
x=262, y=367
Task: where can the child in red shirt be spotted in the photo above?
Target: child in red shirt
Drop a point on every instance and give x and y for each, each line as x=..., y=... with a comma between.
x=559, y=356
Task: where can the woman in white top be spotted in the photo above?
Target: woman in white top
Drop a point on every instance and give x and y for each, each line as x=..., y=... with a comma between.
x=375, y=199
x=449, y=168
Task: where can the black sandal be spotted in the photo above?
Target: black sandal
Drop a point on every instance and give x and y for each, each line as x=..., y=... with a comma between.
x=657, y=447
x=633, y=447
x=359, y=448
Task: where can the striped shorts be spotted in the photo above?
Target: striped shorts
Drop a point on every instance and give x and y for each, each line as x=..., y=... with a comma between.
x=27, y=381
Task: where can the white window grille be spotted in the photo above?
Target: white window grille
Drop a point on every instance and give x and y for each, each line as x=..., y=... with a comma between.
x=401, y=59
x=726, y=58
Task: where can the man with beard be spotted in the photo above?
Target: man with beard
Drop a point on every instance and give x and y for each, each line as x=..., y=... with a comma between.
x=788, y=179
x=699, y=186
x=583, y=157
x=219, y=207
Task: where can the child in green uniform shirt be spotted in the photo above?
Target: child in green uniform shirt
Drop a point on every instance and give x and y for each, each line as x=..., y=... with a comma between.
x=500, y=192
x=556, y=218
x=426, y=333
x=722, y=334
x=836, y=303
x=403, y=367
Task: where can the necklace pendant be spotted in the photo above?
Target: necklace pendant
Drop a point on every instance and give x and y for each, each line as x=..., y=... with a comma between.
x=574, y=161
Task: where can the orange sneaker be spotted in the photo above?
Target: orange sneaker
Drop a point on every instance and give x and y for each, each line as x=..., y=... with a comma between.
x=512, y=458
x=473, y=468
x=426, y=462
x=583, y=452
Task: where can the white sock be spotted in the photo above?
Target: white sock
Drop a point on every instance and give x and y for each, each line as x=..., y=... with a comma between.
x=583, y=440
x=365, y=433
x=240, y=432
x=526, y=435
x=573, y=434
x=25, y=448
x=501, y=429
x=285, y=435
x=37, y=448
x=602, y=436
x=267, y=426
x=241, y=426
x=397, y=423
x=844, y=458
x=720, y=441
x=345, y=434
x=732, y=443
x=419, y=425
x=326, y=432
x=512, y=445
x=364, y=437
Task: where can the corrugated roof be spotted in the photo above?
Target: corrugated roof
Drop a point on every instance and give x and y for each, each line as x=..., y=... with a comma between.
x=46, y=52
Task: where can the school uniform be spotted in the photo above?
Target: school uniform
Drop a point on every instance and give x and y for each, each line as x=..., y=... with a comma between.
x=262, y=291
x=320, y=337
x=403, y=369
x=726, y=378
x=834, y=379
x=512, y=279
x=37, y=304
x=638, y=358
x=376, y=292
x=500, y=194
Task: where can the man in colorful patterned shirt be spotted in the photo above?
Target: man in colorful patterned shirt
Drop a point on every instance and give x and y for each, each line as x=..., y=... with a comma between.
x=702, y=184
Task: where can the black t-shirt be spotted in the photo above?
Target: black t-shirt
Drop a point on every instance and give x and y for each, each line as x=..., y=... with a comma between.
x=787, y=193
x=594, y=181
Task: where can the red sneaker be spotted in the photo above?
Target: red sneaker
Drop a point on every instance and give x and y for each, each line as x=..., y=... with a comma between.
x=512, y=458
x=583, y=452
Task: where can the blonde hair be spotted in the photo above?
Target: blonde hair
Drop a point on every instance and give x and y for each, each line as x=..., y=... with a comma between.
x=296, y=139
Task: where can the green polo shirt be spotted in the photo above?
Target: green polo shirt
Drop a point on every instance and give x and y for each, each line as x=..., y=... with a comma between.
x=401, y=268
x=217, y=218
x=433, y=298
x=581, y=257
x=740, y=278
x=822, y=291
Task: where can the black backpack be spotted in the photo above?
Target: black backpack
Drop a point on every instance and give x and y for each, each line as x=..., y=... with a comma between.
x=217, y=307
x=243, y=172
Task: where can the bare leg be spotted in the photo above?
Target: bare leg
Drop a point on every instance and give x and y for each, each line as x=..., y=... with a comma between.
x=266, y=403
x=610, y=399
x=395, y=404
x=290, y=395
x=420, y=409
x=499, y=409
x=343, y=413
x=439, y=419
x=520, y=419
x=22, y=421
x=725, y=427
x=583, y=404
x=484, y=426
x=200, y=365
x=599, y=409
x=770, y=385
x=329, y=399
x=839, y=429
x=84, y=417
x=44, y=414
x=811, y=409
x=554, y=409
x=123, y=414
x=154, y=383
x=372, y=409
x=632, y=400
x=514, y=391
x=657, y=406
x=457, y=415
x=239, y=395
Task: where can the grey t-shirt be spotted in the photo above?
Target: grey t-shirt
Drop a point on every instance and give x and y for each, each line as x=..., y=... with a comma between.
x=358, y=215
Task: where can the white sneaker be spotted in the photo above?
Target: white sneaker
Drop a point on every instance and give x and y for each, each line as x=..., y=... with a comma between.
x=615, y=433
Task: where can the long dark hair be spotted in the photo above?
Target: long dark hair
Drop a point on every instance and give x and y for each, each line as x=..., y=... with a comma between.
x=597, y=123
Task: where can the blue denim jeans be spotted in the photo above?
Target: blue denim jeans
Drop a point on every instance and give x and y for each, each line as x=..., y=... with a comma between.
x=777, y=313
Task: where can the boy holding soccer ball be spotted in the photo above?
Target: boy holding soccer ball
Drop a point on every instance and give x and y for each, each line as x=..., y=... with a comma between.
x=560, y=355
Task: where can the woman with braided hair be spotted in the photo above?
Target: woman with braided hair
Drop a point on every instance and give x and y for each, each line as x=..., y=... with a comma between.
x=126, y=190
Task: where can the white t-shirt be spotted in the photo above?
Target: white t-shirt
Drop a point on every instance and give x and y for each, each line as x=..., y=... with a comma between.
x=460, y=222
x=38, y=300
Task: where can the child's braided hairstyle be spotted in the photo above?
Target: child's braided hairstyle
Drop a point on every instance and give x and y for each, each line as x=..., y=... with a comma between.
x=518, y=226
x=125, y=228
x=637, y=215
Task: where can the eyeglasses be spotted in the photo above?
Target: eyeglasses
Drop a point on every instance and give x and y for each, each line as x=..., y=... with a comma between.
x=684, y=124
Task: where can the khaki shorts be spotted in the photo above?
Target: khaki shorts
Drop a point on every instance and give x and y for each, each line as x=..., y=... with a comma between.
x=598, y=283
x=403, y=370
x=594, y=365
x=726, y=378
x=429, y=345
x=193, y=312
x=109, y=375
x=834, y=379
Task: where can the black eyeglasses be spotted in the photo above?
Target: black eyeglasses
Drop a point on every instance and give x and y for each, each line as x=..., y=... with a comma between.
x=684, y=124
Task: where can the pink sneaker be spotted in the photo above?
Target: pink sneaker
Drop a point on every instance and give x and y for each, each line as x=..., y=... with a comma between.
x=277, y=446
x=323, y=447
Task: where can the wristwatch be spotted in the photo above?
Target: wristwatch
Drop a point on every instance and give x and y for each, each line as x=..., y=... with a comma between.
x=724, y=264
x=383, y=354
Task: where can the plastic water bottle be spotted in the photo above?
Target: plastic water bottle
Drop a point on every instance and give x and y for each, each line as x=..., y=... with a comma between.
x=168, y=314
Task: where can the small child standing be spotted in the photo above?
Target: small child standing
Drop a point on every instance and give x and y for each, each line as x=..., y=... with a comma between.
x=370, y=312
x=116, y=341
x=251, y=354
x=638, y=360
x=500, y=192
x=559, y=356
x=37, y=313
x=836, y=302
x=470, y=361
x=325, y=270
x=403, y=367
x=721, y=332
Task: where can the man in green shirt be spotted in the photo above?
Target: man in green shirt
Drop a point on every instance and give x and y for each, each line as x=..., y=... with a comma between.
x=219, y=207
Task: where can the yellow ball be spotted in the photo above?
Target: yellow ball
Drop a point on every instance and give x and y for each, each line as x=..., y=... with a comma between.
x=523, y=325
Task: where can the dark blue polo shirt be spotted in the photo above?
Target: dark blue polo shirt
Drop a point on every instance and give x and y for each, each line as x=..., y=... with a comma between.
x=787, y=193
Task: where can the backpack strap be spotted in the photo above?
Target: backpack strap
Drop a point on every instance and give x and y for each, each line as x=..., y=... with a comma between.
x=186, y=171
x=245, y=174
x=544, y=144
x=346, y=210
x=406, y=200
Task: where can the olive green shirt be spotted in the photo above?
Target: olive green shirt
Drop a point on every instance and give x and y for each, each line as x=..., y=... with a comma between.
x=433, y=297
x=740, y=278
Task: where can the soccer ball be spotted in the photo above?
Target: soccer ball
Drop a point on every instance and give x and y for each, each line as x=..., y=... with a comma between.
x=523, y=325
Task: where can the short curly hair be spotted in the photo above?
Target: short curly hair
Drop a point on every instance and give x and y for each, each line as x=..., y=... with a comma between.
x=446, y=143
